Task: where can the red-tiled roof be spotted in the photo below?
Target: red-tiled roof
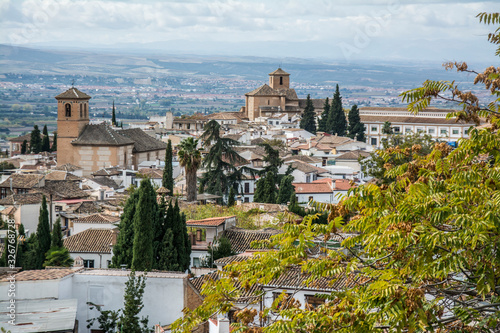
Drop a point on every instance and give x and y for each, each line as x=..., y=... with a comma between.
x=41, y=274
x=90, y=240
x=98, y=218
x=213, y=221
x=312, y=188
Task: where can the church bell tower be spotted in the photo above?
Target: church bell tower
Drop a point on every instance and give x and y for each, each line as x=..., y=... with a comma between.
x=72, y=116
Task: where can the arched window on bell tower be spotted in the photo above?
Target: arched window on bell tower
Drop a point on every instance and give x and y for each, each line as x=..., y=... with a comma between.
x=81, y=110
x=67, y=108
x=85, y=110
x=281, y=80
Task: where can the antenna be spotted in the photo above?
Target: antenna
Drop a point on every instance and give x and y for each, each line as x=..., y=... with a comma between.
x=73, y=83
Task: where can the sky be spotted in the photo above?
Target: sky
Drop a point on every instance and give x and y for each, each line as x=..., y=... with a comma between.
x=349, y=30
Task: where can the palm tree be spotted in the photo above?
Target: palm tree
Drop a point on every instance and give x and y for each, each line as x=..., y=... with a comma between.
x=190, y=159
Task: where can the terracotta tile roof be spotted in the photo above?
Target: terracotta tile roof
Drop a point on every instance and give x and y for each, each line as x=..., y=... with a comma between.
x=225, y=116
x=8, y=211
x=61, y=175
x=113, y=171
x=21, y=138
x=142, y=141
x=353, y=155
x=241, y=239
x=63, y=189
x=294, y=278
x=210, y=222
x=263, y=90
x=306, y=167
x=73, y=93
x=279, y=71
x=101, y=135
x=151, y=173
x=228, y=260
x=88, y=207
x=303, y=158
x=253, y=293
x=68, y=167
x=90, y=240
x=105, y=181
x=98, y=218
x=318, y=104
x=301, y=188
x=289, y=94
x=41, y=274
x=22, y=199
x=19, y=180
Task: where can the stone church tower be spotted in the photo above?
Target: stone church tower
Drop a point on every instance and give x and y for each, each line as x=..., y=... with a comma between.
x=72, y=116
x=279, y=79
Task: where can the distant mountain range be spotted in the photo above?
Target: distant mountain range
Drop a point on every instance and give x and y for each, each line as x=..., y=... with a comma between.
x=139, y=64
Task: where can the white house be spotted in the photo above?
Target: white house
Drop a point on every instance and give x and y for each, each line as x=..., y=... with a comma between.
x=94, y=221
x=93, y=246
x=304, y=172
x=105, y=287
x=325, y=190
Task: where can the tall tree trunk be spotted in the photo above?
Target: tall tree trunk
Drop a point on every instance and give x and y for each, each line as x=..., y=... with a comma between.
x=191, y=188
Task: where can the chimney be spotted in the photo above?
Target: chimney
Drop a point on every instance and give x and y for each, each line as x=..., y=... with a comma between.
x=334, y=184
x=193, y=238
x=101, y=194
x=198, y=235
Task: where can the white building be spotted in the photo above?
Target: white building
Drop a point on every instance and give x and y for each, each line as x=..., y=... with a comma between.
x=429, y=121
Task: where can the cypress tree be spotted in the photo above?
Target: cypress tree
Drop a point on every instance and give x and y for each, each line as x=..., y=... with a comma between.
x=286, y=189
x=168, y=255
x=230, y=199
x=56, y=240
x=168, y=180
x=21, y=248
x=181, y=239
x=308, y=121
x=133, y=305
x=43, y=234
x=122, y=251
x=265, y=190
x=159, y=228
x=145, y=213
x=46, y=143
x=35, y=140
x=54, y=143
x=24, y=147
x=44, y=131
x=31, y=258
x=113, y=115
x=356, y=127
x=323, y=122
x=339, y=122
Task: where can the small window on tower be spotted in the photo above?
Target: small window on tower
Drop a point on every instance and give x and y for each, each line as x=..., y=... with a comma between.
x=67, y=107
x=85, y=110
x=81, y=110
x=281, y=80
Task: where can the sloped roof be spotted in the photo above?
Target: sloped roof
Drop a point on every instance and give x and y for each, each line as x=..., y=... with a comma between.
x=225, y=115
x=21, y=138
x=306, y=167
x=241, y=239
x=151, y=173
x=318, y=103
x=302, y=188
x=228, y=260
x=88, y=207
x=246, y=296
x=113, y=171
x=73, y=93
x=353, y=155
x=303, y=158
x=264, y=90
x=279, y=71
x=90, y=240
x=98, y=219
x=8, y=211
x=142, y=141
x=295, y=278
x=101, y=135
x=63, y=189
x=289, y=93
x=22, y=199
x=61, y=175
x=210, y=222
x=41, y=274
x=105, y=181
x=68, y=167
x=21, y=180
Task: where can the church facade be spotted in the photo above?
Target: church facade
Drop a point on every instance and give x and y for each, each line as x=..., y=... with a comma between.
x=94, y=147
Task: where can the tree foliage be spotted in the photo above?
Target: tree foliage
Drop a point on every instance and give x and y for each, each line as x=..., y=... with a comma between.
x=387, y=129
x=356, y=128
x=42, y=234
x=220, y=248
x=146, y=212
x=421, y=252
x=337, y=122
x=221, y=163
x=35, y=140
x=308, y=121
x=54, y=143
x=190, y=159
x=323, y=122
x=24, y=147
x=168, y=179
x=123, y=251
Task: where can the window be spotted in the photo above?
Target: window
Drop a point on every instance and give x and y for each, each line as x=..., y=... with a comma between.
x=81, y=110
x=396, y=129
x=408, y=130
x=284, y=300
x=88, y=263
x=196, y=262
x=373, y=141
x=431, y=131
x=189, y=126
x=247, y=199
x=108, y=263
x=443, y=131
x=310, y=198
x=308, y=179
x=374, y=129
x=314, y=301
x=420, y=130
x=67, y=108
x=85, y=110
x=281, y=80
x=455, y=131
x=466, y=131
x=247, y=187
